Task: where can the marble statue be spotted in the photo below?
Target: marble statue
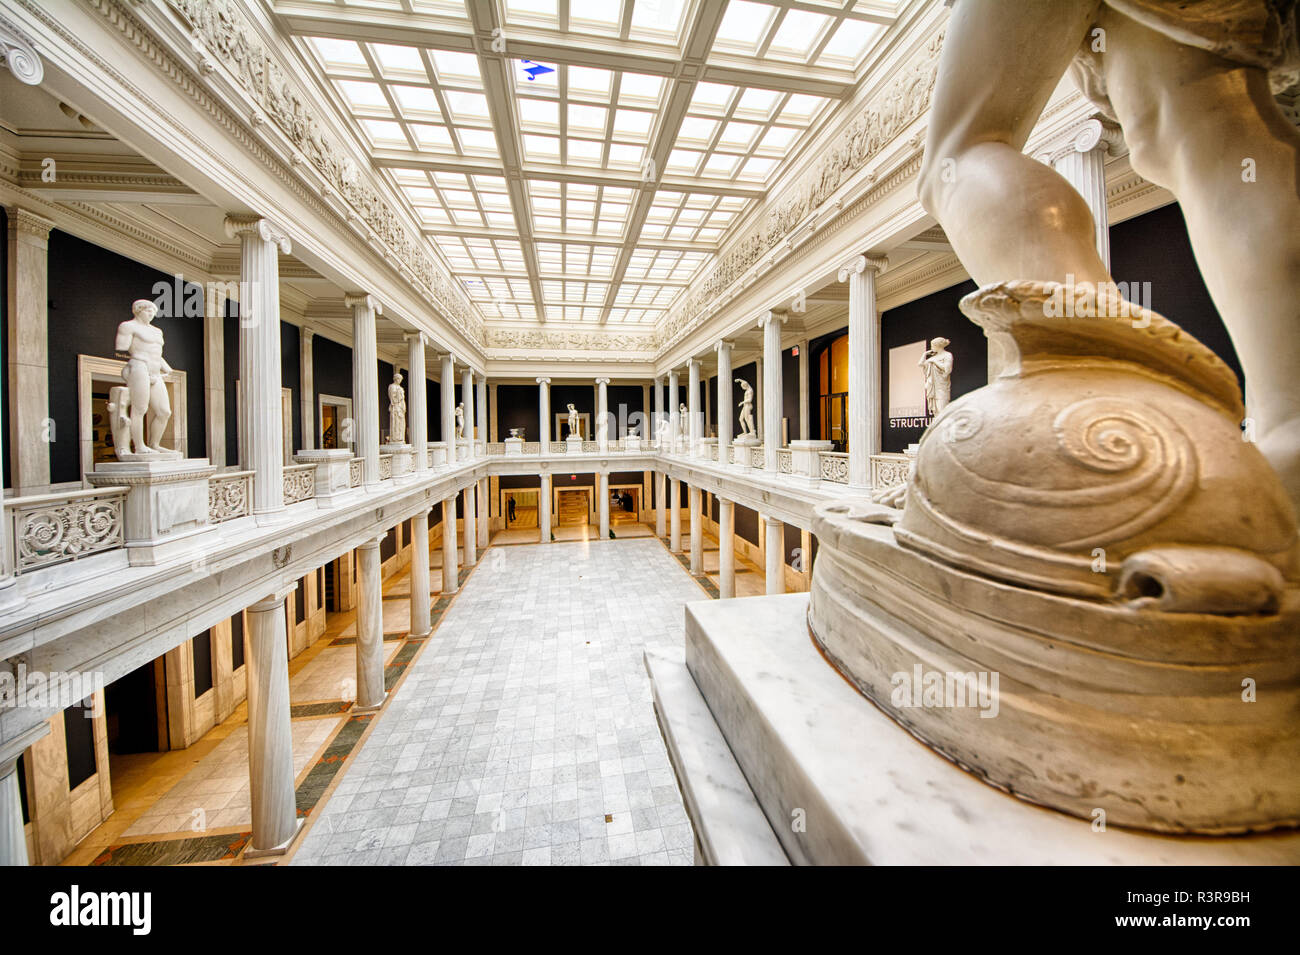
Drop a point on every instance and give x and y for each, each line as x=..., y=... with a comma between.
x=746, y=416
x=684, y=419
x=460, y=420
x=396, y=411
x=936, y=365
x=119, y=419
x=1091, y=525
x=573, y=421
x=143, y=373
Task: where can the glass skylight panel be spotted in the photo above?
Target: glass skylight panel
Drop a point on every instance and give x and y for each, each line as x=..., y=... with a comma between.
x=589, y=118
x=656, y=20
x=536, y=9
x=584, y=151
x=455, y=68
x=364, y=96
x=798, y=33
x=744, y=25
x=850, y=42
x=684, y=161
x=385, y=134
x=802, y=108
x=588, y=82
x=602, y=14
x=396, y=61
x=738, y=135
x=758, y=169
x=541, y=148
x=548, y=224
x=338, y=52
x=467, y=107
x=477, y=140
x=633, y=124
x=539, y=115
x=621, y=154
x=711, y=97
x=416, y=100
x=758, y=104
x=697, y=131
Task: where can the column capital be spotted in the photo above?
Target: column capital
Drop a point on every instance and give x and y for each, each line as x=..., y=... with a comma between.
x=372, y=543
x=273, y=600
x=25, y=222
x=543, y=381
x=602, y=381
x=692, y=361
x=444, y=356
x=861, y=263
x=20, y=55
x=362, y=300
x=722, y=343
x=416, y=336
x=773, y=315
x=1095, y=132
x=306, y=333
x=247, y=226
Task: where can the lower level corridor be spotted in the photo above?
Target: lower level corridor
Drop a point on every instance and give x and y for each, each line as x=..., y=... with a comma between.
x=524, y=732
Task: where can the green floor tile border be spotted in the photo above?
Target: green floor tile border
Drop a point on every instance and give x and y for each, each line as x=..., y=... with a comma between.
x=176, y=851
x=317, y=780
x=706, y=584
x=352, y=641
x=298, y=711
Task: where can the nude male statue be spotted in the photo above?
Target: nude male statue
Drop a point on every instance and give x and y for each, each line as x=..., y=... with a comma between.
x=573, y=420
x=460, y=420
x=746, y=416
x=142, y=344
x=1190, y=85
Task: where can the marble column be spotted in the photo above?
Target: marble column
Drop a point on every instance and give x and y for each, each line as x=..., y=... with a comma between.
x=306, y=387
x=1082, y=161
x=270, y=738
x=467, y=396
x=447, y=382
x=726, y=548
x=674, y=419
x=658, y=426
x=10, y=599
x=417, y=405
x=661, y=498
x=450, y=557
x=421, y=621
x=697, y=532
x=805, y=423
x=365, y=385
x=774, y=551
x=602, y=415
x=602, y=492
x=27, y=308
x=214, y=376
x=674, y=516
x=370, y=627
x=468, y=508
x=770, y=323
x=544, y=416
x=693, y=406
x=726, y=403
x=480, y=415
x=13, y=841
x=544, y=509
x=261, y=408
x=864, y=366
x=483, y=517
x=759, y=425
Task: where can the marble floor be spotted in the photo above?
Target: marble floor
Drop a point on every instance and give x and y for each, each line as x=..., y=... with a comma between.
x=524, y=733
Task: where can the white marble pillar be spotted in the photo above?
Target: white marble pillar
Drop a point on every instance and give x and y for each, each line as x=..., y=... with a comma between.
x=726, y=403
x=544, y=416
x=421, y=621
x=697, y=531
x=693, y=406
x=261, y=407
x=771, y=323
x=417, y=404
x=864, y=366
x=602, y=492
x=28, y=371
x=726, y=548
x=674, y=516
x=1082, y=161
x=674, y=419
x=661, y=498
x=13, y=841
x=447, y=382
x=805, y=423
x=483, y=517
x=544, y=509
x=774, y=553
x=706, y=396
x=450, y=555
x=370, y=627
x=602, y=416
x=9, y=596
x=467, y=396
x=759, y=425
x=270, y=738
x=658, y=427
x=306, y=387
x=214, y=376
x=365, y=384
x=468, y=509
x=480, y=415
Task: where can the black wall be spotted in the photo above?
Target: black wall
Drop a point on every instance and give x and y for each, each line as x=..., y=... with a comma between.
x=290, y=377
x=790, y=391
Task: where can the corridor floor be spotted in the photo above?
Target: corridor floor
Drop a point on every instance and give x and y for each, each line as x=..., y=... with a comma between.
x=524, y=732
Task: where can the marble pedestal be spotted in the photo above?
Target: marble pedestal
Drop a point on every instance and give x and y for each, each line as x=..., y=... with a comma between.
x=437, y=454
x=805, y=460
x=402, y=469
x=707, y=449
x=514, y=446
x=839, y=782
x=333, y=473
x=632, y=443
x=464, y=450
x=573, y=444
x=166, y=504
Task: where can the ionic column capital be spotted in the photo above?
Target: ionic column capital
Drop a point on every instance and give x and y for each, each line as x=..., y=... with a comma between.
x=24, y=222
x=722, y=343
x=273, y=600
x=19, y=54
x=602, y=381
x=356, y=300
x=246, y=227
x=861, y=263
x=543, y=381
x=772, y=315
x=413, y=337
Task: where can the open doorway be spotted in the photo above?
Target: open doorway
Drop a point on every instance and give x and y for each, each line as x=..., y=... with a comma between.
x=625, y=504
x=519, y=506
x=335, y=423
x=135, y=710
x=573, y=506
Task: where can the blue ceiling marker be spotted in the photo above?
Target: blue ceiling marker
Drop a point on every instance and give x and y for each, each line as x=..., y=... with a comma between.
x=535, y=70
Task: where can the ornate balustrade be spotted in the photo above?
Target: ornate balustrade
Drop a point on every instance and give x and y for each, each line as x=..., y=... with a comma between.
x=756, y=458
x=535, y=447
x=385, y=467
x=299, y=483
x=590, y=447
x=496, y=447
x=557, y=447
x=49, y=529
x=785, y=461
x=229, y=495
x=889, y=470
x=354, y=472
x=835, y=466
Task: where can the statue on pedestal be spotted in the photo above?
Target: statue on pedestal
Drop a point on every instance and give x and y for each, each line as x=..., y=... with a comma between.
x=684, y=420
x=396, y=411
x=936, y=365
x=746, y=416
x=573, y=421
x=145, y=391
x=460, y=420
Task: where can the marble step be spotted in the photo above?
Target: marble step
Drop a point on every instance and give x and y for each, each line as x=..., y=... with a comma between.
x=842, y=783
x=730, y=828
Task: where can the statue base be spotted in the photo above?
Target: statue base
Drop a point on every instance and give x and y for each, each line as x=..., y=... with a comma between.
x=333, y=473
x=401, y=461
x=573, y=444
x=437, y=451
x=514, y=447
x=632, y=443
x=131, y=456
x=166, y=504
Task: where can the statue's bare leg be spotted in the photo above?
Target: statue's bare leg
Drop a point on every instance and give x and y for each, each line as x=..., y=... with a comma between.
x=1209, y=130
x=137, y=381
x=160, y=407
x=1008, y=216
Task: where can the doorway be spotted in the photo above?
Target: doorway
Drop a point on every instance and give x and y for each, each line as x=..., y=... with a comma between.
x=625, y=504
x=335, y=423
x=519, y=506
x=573, y=505
x=135, y=710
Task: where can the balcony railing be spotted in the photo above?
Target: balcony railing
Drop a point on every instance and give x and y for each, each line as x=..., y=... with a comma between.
x=299, y=483
x=48, y=529
x=835, y=466
x=889, y=470
x=385, y=467
x=785, y=461
x=229, y=495
x=756, y=458
x=354, y=472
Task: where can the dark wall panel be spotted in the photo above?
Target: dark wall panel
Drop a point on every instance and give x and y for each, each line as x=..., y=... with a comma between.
x=517, y=407
x=793, y=541
x=790, y=391
x=747, y=524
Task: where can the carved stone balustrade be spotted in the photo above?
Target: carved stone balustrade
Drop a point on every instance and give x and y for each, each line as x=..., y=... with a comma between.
x=299, y=483
x=229, y=496
x=835, y=467
x=333, y=477
x=48, y=529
